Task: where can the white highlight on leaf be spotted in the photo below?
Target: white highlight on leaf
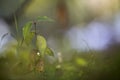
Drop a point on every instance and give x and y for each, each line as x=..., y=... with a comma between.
x=38, y=53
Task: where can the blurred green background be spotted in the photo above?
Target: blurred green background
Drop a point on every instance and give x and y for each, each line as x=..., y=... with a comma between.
x=84, y=37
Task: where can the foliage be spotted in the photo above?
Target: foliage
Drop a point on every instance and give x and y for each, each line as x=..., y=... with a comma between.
x=30, y=61
x=29, y=55
x=44, y=18
x=41, y=44
x=27, y=34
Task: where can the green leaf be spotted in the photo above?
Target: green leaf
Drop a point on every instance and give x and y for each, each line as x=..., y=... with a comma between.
x=27, y=34
x=49, y=52
x=44, y=18
x=26, y=29
x=29, y=37
x=41, y=44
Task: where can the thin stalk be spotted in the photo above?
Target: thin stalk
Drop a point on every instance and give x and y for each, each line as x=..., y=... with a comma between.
x=17, y=36
x=35, y=31
x=16, y=25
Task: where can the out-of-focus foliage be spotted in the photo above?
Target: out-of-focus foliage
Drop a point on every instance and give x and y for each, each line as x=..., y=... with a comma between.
x=81, y=62
x=80, y=66
x=24, y=62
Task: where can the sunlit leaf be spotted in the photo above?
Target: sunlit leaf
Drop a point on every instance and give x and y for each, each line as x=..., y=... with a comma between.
x=81, y=62
x=41, y=44
x=49, y=52
x=27, y=35
x=44, y=18
x=26, y=29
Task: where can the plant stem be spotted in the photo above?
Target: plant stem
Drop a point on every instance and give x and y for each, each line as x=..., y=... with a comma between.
x=16, y=25
x=35, y=31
